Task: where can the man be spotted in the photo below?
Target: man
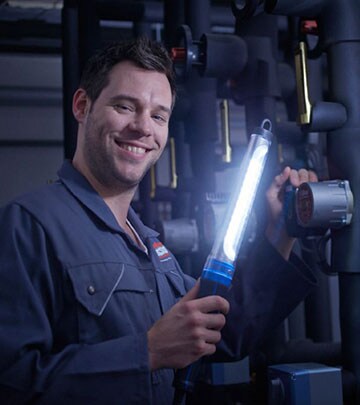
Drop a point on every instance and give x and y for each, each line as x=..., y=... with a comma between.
x=90, y=313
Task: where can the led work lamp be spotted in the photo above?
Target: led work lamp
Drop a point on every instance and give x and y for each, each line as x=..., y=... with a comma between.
x=219, y=268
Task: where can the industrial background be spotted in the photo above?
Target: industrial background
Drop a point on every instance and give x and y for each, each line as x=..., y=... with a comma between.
x=295, y=62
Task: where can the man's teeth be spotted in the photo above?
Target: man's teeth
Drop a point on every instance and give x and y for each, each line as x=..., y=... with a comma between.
x=133, y=149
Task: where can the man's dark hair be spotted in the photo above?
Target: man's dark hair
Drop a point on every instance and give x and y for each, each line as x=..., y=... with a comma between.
x=143, y=52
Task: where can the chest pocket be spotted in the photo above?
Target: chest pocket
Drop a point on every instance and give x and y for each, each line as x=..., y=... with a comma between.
x=113, y=300
x=171, y=286
x=95, y=283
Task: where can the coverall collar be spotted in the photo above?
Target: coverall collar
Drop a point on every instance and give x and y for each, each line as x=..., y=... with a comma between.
x=78, y=185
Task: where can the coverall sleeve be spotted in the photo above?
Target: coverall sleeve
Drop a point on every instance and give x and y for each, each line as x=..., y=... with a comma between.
x=265, y=290
x=32, y=368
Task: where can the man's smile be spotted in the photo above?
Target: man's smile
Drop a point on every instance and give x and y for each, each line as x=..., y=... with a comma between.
x=131, y=148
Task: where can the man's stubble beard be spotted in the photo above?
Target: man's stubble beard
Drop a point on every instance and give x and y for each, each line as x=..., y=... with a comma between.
x=103, y=166
x=108, y=174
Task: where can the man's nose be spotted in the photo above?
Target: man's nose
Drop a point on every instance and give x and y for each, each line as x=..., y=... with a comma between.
x=141, y=124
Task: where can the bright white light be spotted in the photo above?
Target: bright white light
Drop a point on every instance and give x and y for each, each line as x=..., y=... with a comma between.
x=244, y=202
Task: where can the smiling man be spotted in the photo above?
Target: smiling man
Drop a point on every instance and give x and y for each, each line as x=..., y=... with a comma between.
x=94, y=308
x=124, y=131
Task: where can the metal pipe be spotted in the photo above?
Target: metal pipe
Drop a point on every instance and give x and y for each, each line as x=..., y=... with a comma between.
x=70, y=71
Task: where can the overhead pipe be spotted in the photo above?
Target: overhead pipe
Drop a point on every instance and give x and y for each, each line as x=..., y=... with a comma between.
x=33, y=23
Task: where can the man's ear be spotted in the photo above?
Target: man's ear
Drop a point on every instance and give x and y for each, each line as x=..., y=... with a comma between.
x=80, y=105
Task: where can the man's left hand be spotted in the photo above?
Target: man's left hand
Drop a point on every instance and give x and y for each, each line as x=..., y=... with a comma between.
x=276, y=230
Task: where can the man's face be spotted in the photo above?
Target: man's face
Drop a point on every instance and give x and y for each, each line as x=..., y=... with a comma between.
x=125, y=130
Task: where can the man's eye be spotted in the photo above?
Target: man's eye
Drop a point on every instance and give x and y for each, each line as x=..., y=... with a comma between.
x=122, y=107
x=160, y=118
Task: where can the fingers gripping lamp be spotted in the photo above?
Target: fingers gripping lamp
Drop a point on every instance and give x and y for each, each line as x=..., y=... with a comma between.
x=217, y=274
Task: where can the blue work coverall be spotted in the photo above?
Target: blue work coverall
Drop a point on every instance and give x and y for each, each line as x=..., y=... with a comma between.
x=78, y=297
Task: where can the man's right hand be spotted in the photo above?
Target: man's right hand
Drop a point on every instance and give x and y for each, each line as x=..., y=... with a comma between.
x=188, y=331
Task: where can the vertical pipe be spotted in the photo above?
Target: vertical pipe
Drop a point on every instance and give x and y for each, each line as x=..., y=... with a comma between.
x=349, y=285
x=142, y=27
x=174, y=16
x=80, y=37
x=260, y=81
x=70, y=71
x=317, y=303
x=201, y=125
x=148, y=207
x=259, y=84
x=197, y=15
x=343, y=161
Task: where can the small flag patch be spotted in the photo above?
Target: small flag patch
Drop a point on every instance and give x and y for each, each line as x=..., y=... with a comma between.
x=161, y=250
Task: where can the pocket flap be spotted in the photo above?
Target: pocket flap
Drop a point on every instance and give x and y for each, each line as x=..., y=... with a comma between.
x=176, y=282
x=94, y=284
x=133, y=280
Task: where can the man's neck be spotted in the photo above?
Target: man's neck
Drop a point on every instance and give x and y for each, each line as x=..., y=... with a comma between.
x=117, y=198
x=119, y=206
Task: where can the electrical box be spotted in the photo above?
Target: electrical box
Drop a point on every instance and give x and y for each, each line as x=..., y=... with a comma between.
x=304, y=384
